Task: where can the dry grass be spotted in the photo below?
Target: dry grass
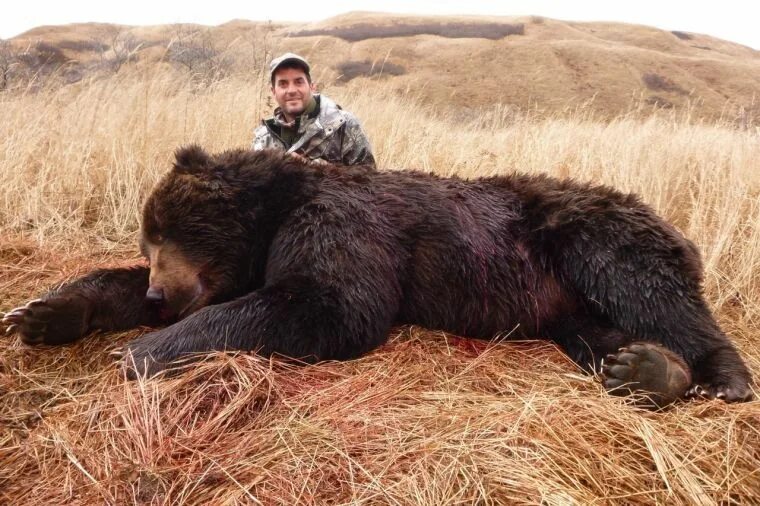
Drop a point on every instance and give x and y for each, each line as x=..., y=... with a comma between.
x=427, y=419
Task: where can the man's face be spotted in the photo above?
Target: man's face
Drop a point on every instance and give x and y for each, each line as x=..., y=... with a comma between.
x=292, y=91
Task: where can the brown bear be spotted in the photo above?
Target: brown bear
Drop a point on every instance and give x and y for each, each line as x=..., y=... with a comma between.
x=260, y=251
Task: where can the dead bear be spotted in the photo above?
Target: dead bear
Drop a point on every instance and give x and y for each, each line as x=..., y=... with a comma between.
x=260, y=251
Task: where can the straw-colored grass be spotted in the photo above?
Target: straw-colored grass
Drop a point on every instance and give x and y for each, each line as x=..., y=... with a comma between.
x=426, y=419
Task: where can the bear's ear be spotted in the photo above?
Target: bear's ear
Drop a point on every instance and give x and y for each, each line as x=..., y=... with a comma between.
x=191, y=159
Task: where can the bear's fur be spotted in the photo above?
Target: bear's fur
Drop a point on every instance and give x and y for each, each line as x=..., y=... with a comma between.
x=258, y=250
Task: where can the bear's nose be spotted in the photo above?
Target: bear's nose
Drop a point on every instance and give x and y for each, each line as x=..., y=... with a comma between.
x=154, y=294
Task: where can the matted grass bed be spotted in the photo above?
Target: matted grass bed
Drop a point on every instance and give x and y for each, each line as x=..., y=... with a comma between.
x=427, y=419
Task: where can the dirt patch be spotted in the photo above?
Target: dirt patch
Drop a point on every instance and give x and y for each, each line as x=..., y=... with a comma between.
x=453, y=30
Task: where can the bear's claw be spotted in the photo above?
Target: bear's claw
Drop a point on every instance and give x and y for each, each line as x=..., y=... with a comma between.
x=29, y=321
x=727, y=393
x=54, y=320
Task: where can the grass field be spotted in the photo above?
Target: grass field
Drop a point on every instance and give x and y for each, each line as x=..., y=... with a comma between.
x=427, y=419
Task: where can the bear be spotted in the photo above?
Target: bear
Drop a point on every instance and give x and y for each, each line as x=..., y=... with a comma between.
x=263, y=252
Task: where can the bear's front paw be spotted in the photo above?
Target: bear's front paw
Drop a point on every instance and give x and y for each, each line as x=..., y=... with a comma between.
x=54, y=320
x=722, y=374
x=154, y=352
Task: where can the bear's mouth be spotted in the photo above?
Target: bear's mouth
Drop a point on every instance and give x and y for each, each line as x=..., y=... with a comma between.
x=165, y=314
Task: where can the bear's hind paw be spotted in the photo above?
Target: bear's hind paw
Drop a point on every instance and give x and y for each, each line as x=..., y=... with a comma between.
x=655, y=374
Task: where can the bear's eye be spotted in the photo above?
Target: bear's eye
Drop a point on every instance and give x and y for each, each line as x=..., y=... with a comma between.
x=156, y=239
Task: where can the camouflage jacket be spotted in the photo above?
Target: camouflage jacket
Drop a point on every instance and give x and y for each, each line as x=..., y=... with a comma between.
x=331, y=134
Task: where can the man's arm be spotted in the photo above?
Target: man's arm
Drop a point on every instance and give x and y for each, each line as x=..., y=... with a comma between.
x=262, y=139
x=356, y=148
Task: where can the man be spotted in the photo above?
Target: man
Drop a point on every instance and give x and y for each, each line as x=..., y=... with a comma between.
x=309, y=125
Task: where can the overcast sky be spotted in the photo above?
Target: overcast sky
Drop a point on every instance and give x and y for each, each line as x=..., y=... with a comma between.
x=727, y=19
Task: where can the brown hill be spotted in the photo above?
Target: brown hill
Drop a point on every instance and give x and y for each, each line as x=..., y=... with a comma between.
x=470, y=62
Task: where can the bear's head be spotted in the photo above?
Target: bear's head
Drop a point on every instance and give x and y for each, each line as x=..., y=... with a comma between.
x=207, y=225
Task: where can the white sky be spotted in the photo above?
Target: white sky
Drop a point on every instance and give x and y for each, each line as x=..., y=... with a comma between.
x=732, y=20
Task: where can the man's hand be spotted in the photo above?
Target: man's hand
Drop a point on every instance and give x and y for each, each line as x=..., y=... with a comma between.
x=299, y=156
x=306, y=159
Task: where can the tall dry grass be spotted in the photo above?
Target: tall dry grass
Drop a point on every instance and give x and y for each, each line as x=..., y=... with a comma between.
x=428, y=419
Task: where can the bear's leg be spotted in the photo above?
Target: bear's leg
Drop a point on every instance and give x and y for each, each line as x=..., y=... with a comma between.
x=646, y=282
x=296, y=317
x=107, y=299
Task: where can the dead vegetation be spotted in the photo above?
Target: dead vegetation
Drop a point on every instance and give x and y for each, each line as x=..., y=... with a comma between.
x=427, y=419
x=203, y=55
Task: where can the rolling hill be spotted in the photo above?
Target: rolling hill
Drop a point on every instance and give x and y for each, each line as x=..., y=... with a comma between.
x=465, y=63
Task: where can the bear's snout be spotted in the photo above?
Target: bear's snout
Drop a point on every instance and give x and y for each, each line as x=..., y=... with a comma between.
x=155, y=295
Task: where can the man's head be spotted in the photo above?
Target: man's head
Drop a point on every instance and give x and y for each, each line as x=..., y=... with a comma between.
x=291, y=84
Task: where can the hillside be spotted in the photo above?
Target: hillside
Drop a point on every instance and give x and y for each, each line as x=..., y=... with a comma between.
x=466, y=63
